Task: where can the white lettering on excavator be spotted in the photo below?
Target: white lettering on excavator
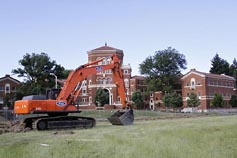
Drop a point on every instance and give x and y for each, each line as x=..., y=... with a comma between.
x=38, y=108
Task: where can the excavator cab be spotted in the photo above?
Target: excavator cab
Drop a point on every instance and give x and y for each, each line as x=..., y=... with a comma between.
x=52, y=93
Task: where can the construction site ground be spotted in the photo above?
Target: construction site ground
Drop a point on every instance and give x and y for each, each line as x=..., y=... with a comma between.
x=206, y=135
x=15, y=124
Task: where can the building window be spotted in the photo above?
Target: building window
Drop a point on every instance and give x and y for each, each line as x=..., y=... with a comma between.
x=104, y=81
x=126, y=82
x=192, y=83
x=83, y=91
x=109, y=80
x=107, y=72
x=13, y=88
x=1, y=88
x=198, y=82
x=1, y=100
x=187, y=94
x=151, y=94
x=83, y=100
x=208, y=82
x=7, y=88
x=125, y=71
x=99, y=81
x=127, y=91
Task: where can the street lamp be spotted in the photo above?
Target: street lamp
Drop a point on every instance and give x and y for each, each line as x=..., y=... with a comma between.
x=56, y=80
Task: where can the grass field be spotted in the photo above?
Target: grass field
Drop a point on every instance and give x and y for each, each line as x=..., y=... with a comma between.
x=198, y=137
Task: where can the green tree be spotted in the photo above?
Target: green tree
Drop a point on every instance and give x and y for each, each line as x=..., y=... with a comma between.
x=233, y=101
x=6, y=101
x=162, y=69
x=36, y=73
x=101, y=97
x=138, y=99
x=233, y=68
x=172, y=100
x=220, y=66
x=217, y=101
x=193, y=100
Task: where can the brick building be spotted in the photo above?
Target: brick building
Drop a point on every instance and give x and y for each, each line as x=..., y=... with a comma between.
x=137, y=83
x=105, y=79
x=205, y=86
x=8, y=86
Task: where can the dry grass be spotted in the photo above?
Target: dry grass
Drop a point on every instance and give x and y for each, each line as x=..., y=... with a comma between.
x=212, y=136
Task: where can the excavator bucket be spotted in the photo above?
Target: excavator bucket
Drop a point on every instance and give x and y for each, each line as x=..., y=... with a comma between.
x=122, y=118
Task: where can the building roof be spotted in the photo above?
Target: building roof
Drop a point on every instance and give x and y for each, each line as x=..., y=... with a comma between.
x=138, y=77
x=207, y=75
x=106, y=48
x=10, y=78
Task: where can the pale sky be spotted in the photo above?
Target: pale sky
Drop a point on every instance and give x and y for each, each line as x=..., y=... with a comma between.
x=67, y=29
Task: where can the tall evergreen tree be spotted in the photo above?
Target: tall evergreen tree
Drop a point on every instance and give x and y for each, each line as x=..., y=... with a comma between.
x=233, y=68
x=220, y=66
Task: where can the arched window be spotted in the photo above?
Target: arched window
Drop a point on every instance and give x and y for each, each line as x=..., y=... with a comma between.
x=109, y=80
x=193, y=83
x=99, y=81
x=99, y=63
x=104, y=81
x=126, y=82
x=7, y=88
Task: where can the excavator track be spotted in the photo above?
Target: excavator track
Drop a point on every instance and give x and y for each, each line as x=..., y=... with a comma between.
x=59, y=122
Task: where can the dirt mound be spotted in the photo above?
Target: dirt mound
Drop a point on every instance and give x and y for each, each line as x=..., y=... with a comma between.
x=2, y=119
x=12, y=126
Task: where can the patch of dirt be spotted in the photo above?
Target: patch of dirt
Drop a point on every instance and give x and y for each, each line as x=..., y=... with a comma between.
x=12, y=126
x=63, y=132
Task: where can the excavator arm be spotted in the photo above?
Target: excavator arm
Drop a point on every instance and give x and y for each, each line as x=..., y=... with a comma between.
x=69, y=91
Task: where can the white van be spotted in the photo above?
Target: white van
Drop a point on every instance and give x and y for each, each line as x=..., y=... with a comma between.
x=189, y=110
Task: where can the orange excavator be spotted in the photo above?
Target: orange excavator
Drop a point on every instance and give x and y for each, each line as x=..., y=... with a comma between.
x=57, y=104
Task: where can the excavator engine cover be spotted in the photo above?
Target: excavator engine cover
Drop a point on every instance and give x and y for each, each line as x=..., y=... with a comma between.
x=122, y=118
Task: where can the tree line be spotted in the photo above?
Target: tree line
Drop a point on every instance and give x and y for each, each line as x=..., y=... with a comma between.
x=162, y=71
